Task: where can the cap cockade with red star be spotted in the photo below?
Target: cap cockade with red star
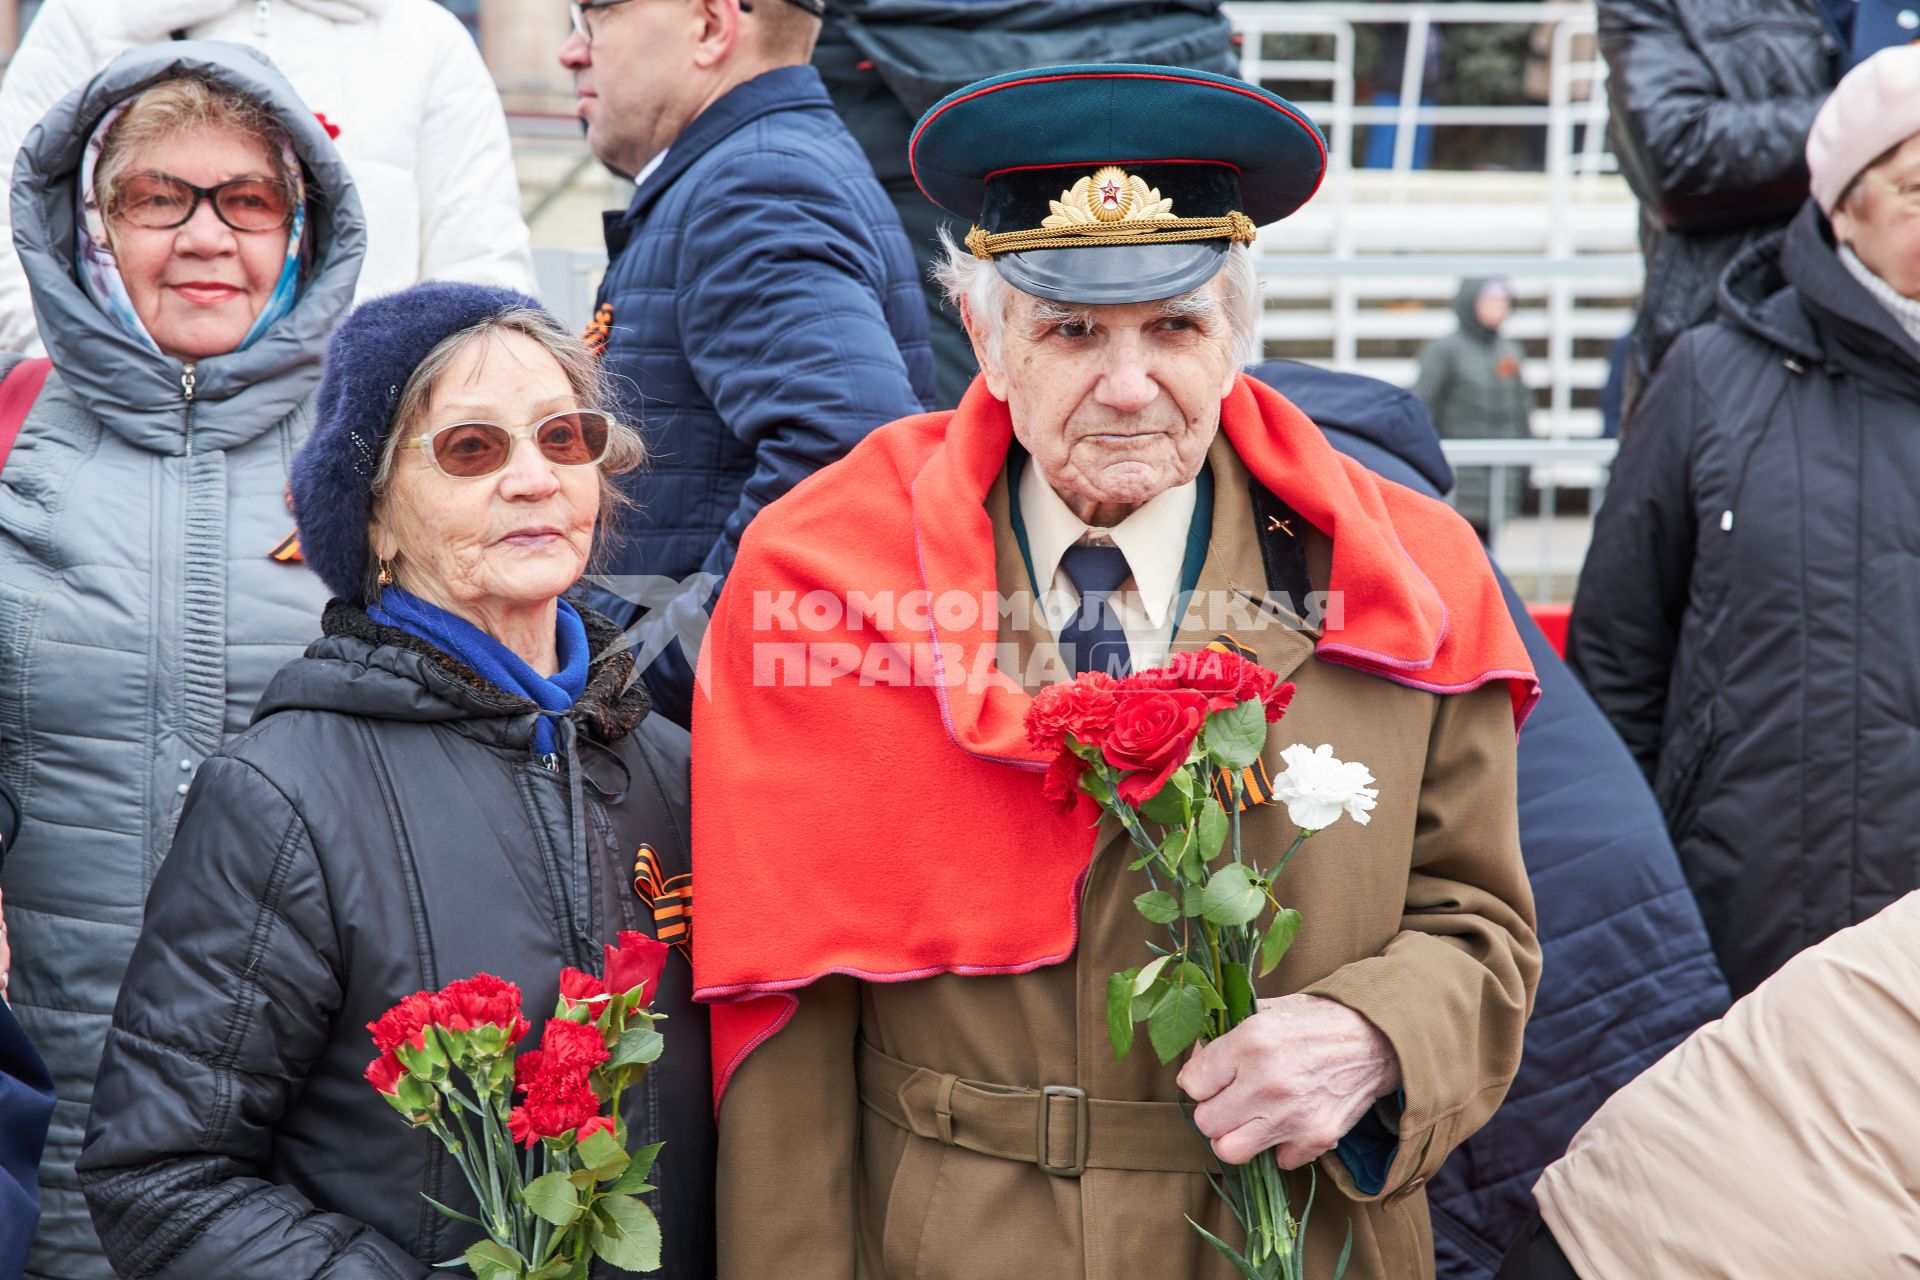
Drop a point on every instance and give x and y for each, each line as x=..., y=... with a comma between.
x=1159, y=168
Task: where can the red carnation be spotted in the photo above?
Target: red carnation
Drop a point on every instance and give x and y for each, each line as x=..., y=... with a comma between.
x=1227, y=679
x=1152, y=734
x=1277, y=701
x=636, y=962
x=1049, y=719
x=1083, y=708
x=594, y=1124
x=1062, y=786
x=481, y=1000
x=527, y=1069
x=571, y=1048
x=403, y=1023
x=385, y=1072
x=552, y=1113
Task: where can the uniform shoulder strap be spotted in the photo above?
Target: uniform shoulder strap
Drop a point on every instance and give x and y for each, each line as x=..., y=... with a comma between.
x=18, y=391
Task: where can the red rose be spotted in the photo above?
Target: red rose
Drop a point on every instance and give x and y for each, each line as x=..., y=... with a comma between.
x=1227, y=679
x=1151, y=735
x=385, y=1072
x=570, y=1047
x=1062, y=786
x=583, y=990
x=403, y=1023
x=636, y=962
x=1277, y=700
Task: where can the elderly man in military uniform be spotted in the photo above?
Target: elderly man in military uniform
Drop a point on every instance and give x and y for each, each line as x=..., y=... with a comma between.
x=906, y=944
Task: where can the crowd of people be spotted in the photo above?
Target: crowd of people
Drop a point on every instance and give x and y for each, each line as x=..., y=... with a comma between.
x=362, y=628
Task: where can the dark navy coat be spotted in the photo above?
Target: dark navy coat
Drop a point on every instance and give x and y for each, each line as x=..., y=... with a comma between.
x=765, y=315
x=26, y=1104
x=1627, y=972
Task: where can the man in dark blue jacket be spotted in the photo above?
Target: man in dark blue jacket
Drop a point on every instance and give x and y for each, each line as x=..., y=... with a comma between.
x=761, y=310
x=1626, y=972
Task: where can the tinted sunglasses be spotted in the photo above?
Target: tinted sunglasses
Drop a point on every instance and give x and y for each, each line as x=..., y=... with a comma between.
x=469, y=450
x=160, y=202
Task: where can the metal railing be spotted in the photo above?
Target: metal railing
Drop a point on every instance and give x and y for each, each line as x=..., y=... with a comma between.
x=1539, y=548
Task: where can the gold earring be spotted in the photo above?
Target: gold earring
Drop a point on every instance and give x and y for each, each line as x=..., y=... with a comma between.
x=386, y=573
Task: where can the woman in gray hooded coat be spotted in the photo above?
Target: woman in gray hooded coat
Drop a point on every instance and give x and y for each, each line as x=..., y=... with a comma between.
x=188, y=255
x=1471, y=384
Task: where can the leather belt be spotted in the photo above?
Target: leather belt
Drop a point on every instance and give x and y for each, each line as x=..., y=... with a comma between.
x=1057, y=1127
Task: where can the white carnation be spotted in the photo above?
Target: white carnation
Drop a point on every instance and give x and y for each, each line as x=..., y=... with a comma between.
x=1318, y=787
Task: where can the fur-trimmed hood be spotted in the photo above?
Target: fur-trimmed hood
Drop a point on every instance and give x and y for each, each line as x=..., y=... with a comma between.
x=364, y=668
x=133, y=389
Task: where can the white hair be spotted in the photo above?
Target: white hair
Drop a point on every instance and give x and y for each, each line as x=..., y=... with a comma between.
x=963, y=277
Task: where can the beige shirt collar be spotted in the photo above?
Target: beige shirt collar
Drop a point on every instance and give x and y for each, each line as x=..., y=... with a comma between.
x=1153, y=538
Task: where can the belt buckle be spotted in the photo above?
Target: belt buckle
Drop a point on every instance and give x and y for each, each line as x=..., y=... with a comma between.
x=1042, y=1131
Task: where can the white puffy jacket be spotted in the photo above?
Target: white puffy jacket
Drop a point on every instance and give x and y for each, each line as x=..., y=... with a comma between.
x=421, y=126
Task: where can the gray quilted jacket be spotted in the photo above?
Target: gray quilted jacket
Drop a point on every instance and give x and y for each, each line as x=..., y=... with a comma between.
x=141, y=612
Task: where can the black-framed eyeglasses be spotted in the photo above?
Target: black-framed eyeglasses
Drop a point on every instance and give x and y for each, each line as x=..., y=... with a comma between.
x=161, y=202
x=579, y=9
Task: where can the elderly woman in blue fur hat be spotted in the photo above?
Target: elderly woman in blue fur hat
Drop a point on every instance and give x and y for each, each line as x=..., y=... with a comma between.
x=456, y=778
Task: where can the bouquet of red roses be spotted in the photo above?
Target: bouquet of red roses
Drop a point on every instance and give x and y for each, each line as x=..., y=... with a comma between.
x=574, y=1194
x=1168, y=752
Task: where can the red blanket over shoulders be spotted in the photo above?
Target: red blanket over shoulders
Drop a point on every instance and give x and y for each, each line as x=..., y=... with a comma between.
x=864, y=798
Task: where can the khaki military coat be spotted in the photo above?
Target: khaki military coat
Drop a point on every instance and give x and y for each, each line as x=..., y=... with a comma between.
x=1422, y=921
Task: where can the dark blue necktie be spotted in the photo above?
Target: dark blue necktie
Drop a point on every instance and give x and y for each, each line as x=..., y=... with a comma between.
x=1093, y=639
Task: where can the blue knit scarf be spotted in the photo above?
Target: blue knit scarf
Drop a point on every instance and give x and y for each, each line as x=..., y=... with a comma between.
x=494, y=661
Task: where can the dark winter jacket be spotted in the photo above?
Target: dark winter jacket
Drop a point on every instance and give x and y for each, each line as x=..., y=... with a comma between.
x=765, y=315
x=886, y=61
x=1627, y=972
x=1712, y=102
x=1470, y=382
x=26, y=1104
x=384, y=827
x=1746, y=612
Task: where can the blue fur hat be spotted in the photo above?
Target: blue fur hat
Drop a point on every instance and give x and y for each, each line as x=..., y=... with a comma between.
x=372, y=355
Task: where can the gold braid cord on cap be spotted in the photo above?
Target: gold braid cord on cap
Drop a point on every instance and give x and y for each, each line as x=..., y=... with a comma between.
x=1110, y=206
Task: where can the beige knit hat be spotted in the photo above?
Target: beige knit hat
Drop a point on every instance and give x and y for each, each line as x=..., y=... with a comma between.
x=1875, y=107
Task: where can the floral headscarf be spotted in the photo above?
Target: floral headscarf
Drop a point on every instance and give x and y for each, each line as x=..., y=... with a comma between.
x=100, y=273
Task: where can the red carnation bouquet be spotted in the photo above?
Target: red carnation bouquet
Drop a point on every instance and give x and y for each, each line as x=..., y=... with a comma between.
x=1169, y=752
x=574, y=1194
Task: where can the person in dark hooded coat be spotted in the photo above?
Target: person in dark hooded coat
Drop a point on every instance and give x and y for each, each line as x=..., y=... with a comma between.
x=1626, y=969
x=1745, y=613
x=1471, y=384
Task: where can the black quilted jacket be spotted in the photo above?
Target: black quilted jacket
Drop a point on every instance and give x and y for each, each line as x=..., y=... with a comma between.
x=1745, y=616
x=384, y=827
x=1712, y=102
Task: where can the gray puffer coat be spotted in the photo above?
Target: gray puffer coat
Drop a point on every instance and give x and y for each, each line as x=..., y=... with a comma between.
x=141, y=611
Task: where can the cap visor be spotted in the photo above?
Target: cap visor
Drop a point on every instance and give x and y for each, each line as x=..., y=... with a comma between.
x=1113, y=273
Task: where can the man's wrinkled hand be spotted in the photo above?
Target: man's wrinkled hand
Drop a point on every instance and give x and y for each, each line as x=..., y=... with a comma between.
x=1295, y=1077
x=6, y=953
